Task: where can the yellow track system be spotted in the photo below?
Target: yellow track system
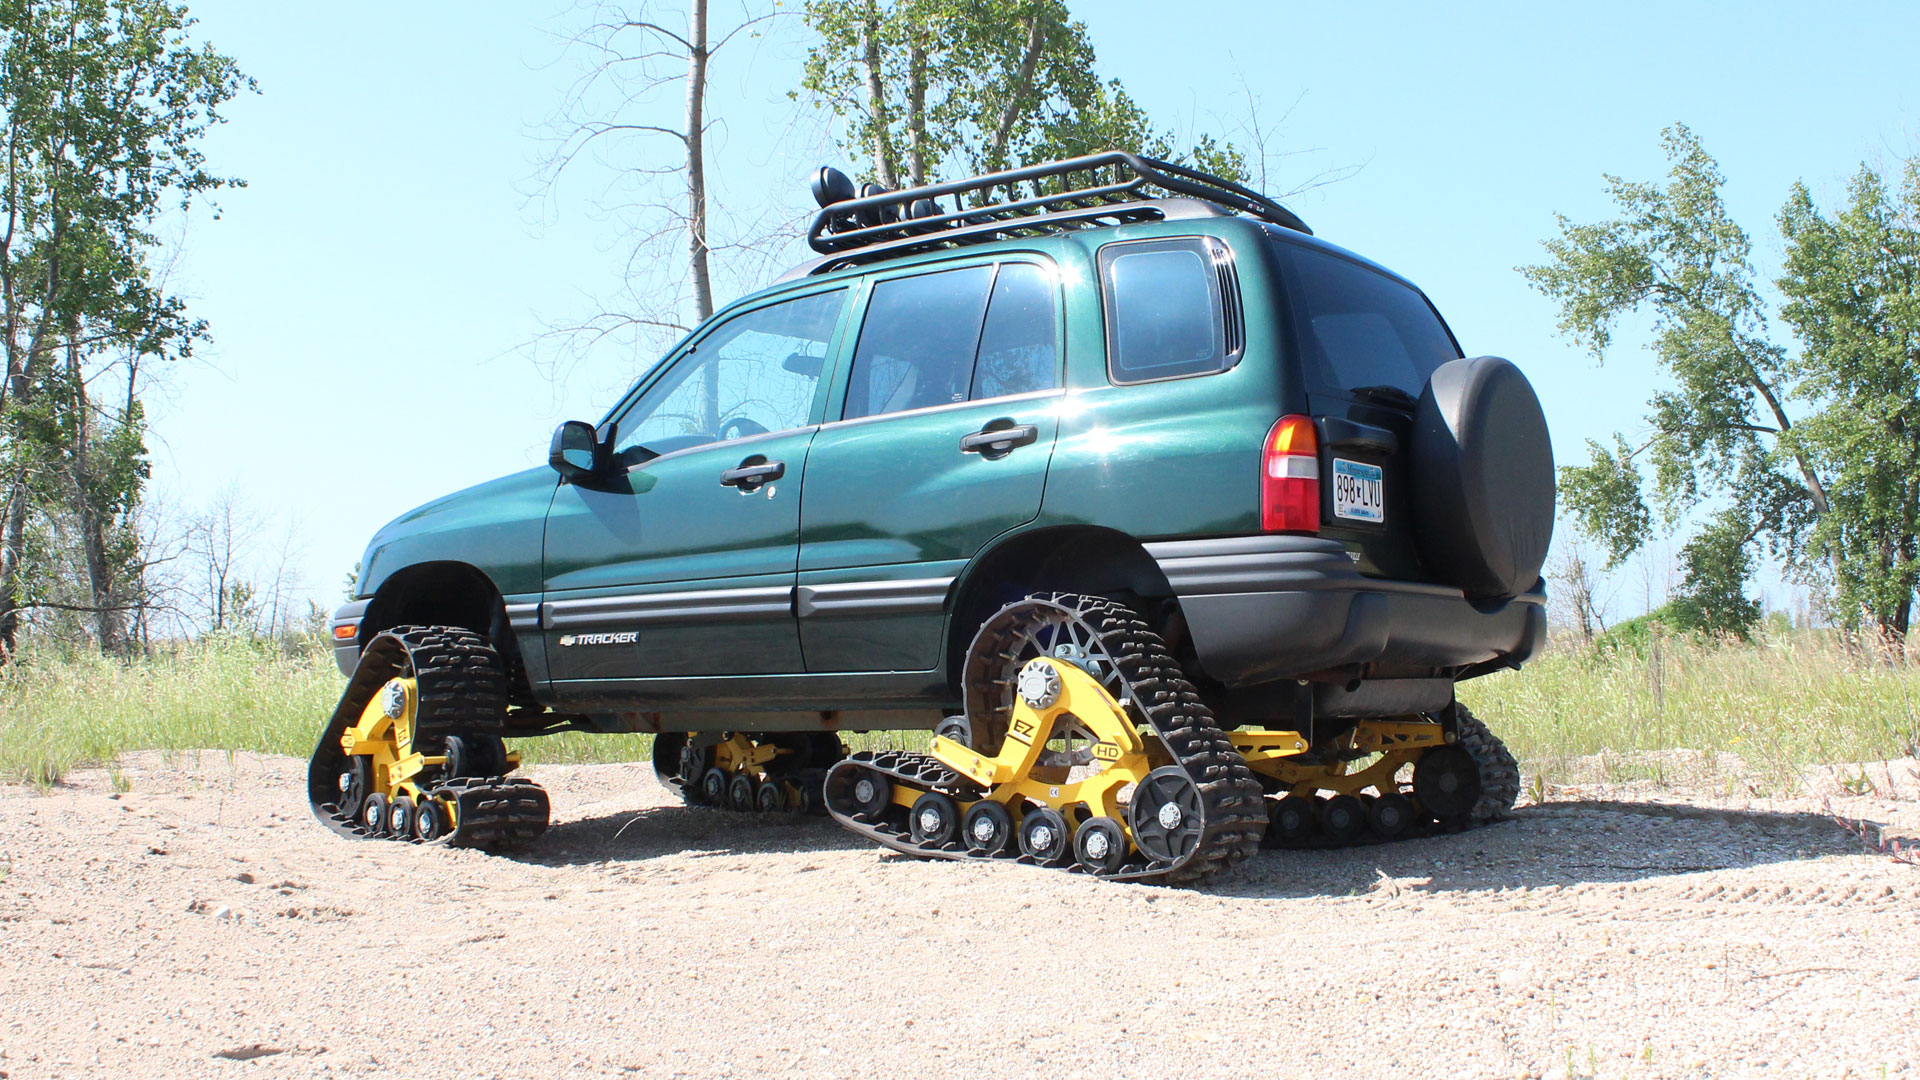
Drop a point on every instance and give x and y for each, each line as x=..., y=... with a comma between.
x=743, y=773
x=1398, y=743
x=413, y=751
x=1118, y=755
x=384, y=736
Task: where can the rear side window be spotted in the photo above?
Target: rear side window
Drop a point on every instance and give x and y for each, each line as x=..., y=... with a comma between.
x=1017, y=354
x=1172, y=309
x=918, y=342
x=956, y=335
x=1360, y=328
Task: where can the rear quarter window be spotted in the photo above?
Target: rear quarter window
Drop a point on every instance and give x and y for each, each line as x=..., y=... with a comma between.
x=1358, y=327
x=1171, y=307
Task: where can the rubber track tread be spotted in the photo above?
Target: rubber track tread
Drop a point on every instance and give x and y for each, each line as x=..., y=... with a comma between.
x=1230, y=795
x=462, y=690
x=1499, y=772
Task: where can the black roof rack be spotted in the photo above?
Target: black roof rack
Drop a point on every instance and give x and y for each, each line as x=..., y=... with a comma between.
x=1110, y=188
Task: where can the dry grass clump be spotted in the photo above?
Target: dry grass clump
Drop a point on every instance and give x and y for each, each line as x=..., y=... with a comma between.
x=1779, y=702
x=63, y=709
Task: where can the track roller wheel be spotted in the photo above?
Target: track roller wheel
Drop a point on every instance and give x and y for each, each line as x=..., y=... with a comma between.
x=1391, y=815
x=476, y=755
x=1343, y=819
x=934, y=819
x=1100, y=845
x=373, y=814
x=824, y=749
x=769, y=797
x=956, y=728
x=1291, y=821
x=1446, y=780
x=987, y=828
x=400, y=817
x=1045, y=837
x=740, y=792
x=713, y=787
x=669, y=748
x=355, y=781
x=872, y=795
x=429, y=821
x=1165, y=814
x=692, y=766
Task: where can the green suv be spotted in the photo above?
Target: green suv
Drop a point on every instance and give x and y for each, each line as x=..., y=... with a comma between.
x=1091, y=407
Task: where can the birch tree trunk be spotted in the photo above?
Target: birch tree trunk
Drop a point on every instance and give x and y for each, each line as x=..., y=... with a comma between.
x=697, y=159
x=880, y=115
x=916, y=107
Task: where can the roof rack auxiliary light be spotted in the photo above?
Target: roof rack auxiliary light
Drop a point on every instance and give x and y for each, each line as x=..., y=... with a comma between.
x=1109, y=188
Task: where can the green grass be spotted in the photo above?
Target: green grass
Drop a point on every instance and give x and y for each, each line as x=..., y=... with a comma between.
x=61, y=710
x=67, y=709
x=1780, y=703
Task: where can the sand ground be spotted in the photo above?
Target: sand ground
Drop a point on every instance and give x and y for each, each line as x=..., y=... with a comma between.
x=202, y=924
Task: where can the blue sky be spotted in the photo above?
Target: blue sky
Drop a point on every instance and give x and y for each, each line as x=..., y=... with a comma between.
x=374, y=289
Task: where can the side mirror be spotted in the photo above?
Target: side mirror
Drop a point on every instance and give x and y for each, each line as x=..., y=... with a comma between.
x=576, y=453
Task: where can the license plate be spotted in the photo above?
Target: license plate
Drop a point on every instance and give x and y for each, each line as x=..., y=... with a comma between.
x=1357, y=491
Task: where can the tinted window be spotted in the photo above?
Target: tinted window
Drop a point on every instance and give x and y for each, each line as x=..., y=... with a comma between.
x=754, y=373
x=1359, y=327
x=1017, y=346
x=1164, y=311
x=918, y=343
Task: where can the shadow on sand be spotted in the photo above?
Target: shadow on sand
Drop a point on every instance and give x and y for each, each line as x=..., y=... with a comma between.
x=1557, y=844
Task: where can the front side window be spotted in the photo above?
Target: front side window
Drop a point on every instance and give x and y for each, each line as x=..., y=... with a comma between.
x=1166, y=314
x=755, y=373
x=1359, y=328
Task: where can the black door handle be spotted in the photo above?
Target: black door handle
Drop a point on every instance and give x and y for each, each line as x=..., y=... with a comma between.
x=751, y=474
x=995, y=441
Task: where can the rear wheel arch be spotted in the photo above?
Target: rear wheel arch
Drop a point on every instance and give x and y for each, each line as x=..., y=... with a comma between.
x=1084, y=559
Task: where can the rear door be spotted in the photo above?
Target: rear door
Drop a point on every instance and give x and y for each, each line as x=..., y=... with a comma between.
x=943, y=427
x=1367, y=343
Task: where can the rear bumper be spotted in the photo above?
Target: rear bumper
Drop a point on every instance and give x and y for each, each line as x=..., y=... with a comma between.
x=1264, y=608
x=346, y=652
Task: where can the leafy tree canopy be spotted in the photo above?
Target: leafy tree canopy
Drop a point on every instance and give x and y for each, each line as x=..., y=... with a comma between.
x=1807, y=454
x=106, y=104
x=928, y=88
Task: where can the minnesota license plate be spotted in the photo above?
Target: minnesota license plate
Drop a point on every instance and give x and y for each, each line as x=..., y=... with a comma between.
x=1357, y=491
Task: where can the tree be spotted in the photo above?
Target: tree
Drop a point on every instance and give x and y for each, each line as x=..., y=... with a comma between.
x=106, y=103
x=1723, y=443
x=639, y=108
x=982, y=85
x=1575, y=592
x=1852, y=283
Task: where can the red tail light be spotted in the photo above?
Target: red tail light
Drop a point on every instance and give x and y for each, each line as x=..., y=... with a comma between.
x=1290, y=477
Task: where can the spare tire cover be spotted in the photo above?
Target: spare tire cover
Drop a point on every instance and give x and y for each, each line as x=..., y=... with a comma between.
x=1482, y=478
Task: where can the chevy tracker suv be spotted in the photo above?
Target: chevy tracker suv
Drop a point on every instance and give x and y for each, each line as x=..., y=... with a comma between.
x=1107, y=422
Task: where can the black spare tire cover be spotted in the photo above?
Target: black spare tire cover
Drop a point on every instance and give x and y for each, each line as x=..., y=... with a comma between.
x=1482, y=478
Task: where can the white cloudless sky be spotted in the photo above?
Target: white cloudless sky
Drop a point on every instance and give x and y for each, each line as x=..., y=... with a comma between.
x=373, y=291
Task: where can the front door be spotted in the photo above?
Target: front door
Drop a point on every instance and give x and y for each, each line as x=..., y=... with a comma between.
x=682, y=561
x=942, y=442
